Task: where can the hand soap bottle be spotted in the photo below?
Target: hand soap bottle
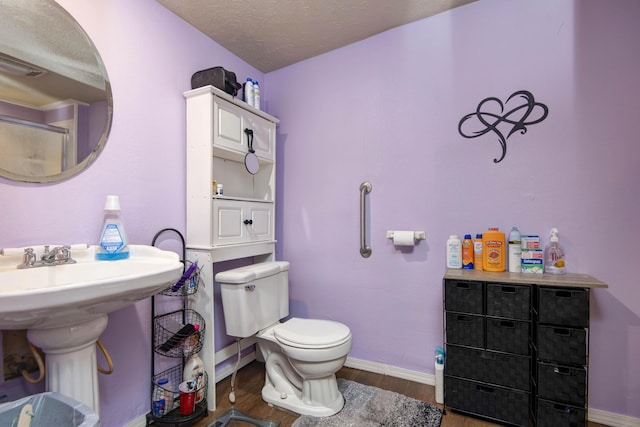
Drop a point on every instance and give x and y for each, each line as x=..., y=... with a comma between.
x=113, y=239
x=554, y=255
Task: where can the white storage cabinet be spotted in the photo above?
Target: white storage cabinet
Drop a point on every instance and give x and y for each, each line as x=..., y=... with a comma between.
x=217, y=143
x=238, y=224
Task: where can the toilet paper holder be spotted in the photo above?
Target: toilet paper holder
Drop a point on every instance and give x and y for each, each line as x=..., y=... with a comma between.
x=417, y=235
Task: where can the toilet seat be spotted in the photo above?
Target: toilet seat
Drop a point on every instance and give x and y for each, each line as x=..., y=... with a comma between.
x=311, y=333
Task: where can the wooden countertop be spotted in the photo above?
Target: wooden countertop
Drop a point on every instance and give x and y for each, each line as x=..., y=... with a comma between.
x=567, y=280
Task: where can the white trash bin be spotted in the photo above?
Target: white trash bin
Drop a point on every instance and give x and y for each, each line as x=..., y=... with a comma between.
x=49, y=409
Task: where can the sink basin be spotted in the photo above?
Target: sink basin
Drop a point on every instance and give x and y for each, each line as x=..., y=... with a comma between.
x=45, y=297
x=64, y=307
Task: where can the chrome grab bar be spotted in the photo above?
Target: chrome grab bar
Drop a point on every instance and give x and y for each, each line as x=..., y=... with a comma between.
x=365, y=251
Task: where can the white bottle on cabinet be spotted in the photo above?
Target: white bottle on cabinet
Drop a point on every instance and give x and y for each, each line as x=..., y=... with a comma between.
x=454, y=252
x=248, y=91
x=515, y=251
x=256, y=95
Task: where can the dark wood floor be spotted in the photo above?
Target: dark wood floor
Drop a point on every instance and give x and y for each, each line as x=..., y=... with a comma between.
x=250, y=380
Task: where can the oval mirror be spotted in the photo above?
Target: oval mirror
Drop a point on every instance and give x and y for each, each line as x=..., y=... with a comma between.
x=251, y=163
x=55, y=98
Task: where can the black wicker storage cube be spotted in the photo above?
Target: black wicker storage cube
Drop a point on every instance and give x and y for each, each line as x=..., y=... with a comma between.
x=511, y=336
x=508, y=370
x=562, y=306
x=553, y=414
x=510, y=301
x=464, y=297
x=465, y=329
x=564, y=345
x=562, y=383
x=497, y=403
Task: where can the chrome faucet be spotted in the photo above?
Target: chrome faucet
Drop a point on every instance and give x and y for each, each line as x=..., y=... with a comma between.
x=56, y=256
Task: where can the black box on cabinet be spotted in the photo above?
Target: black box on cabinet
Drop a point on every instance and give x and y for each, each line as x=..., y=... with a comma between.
x=562, y=383
x=465, y=329
x=464, y=297
x=553, y=414
x=511, y=336
x=508, y=370
x=564, y=345
x=497, y=403
x=512, y=302
x=563, y=306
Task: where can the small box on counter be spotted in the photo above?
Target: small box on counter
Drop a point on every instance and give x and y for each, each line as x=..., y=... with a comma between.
x=532, y=266
x=530, y=242
x=532, y=254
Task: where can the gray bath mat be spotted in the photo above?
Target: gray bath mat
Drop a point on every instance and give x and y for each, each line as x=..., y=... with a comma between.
x=374, y=407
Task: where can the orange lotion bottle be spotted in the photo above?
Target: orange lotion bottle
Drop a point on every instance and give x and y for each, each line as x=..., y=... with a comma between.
x=477, y=252
x=494, y=250
x=467, y=252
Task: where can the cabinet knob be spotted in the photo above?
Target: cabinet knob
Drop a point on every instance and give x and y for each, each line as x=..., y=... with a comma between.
x=248, y=221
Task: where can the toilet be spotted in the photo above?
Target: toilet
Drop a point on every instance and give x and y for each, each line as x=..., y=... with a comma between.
x=301, y=356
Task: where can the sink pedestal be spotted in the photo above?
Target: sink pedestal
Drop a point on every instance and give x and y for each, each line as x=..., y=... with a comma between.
x=71, y=365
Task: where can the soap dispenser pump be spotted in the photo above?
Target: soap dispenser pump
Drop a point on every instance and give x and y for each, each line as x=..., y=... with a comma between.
x=113, y=239
x=554, y=255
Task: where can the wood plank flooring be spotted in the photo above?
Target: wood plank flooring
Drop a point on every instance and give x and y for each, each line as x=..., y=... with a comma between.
x=250, y=380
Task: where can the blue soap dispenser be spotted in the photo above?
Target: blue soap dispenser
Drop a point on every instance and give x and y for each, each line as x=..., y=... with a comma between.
x=113, y=239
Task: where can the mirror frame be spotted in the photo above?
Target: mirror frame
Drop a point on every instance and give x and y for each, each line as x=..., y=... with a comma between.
x=69, y=23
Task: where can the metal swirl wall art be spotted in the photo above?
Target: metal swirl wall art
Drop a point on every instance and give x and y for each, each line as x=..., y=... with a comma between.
x=490, y=115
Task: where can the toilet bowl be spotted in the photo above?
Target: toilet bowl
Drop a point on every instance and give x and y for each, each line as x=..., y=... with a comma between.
x=301, y=355
x=301, y=358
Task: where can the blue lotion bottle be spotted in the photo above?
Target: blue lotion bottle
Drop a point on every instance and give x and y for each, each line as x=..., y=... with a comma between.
x=113, y=239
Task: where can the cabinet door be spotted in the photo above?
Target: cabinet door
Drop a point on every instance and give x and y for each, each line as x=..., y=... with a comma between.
x=237, y=221
x=228, y=228
x=263, y=135
x=260, y=218
x=228, y=130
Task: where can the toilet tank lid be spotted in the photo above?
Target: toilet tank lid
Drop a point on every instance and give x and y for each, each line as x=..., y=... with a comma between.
x=252, y=272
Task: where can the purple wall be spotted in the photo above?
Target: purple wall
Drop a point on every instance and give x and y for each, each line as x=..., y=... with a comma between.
x=387, y=109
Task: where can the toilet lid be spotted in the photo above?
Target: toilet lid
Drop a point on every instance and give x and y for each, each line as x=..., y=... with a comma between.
x=312, y=333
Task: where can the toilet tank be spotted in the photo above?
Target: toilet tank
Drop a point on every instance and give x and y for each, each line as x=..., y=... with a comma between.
x=254, y=297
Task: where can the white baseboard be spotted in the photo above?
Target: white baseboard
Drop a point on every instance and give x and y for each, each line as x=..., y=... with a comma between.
x=392, y=371
x=612, y=419
x=596, y=415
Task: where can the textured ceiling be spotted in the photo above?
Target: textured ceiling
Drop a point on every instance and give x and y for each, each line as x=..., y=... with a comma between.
x=271, y=34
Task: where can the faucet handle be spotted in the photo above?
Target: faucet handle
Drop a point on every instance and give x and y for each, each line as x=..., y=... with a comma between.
x=29, y=254
x=28, y=258
x=65, y=253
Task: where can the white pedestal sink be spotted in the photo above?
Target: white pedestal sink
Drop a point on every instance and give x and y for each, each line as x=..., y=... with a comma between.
x=65, y=307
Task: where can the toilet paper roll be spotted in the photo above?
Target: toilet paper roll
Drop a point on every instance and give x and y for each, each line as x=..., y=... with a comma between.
x=403, y=238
